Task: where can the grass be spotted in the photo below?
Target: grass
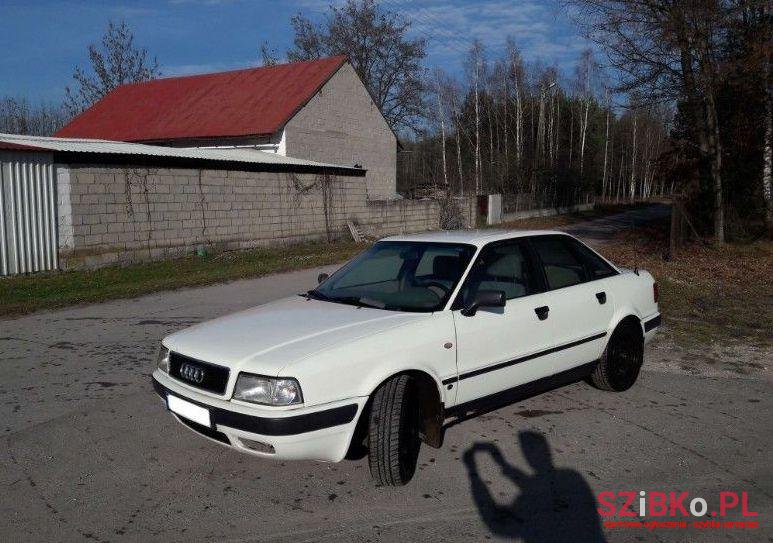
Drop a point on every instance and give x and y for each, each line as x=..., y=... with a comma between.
x=46, y=291
x=708, y=294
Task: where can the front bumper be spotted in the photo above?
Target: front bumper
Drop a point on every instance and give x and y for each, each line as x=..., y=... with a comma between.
x=300, y=434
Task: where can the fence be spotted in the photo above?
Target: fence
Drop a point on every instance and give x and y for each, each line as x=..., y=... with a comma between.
x=548, y=199
x=28, y=218
x=123, y=214
x=499, y=208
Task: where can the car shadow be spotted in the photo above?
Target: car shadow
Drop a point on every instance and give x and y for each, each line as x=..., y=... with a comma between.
x=551, y=504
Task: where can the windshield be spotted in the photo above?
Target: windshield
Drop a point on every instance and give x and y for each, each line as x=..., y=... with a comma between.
x=399, y=276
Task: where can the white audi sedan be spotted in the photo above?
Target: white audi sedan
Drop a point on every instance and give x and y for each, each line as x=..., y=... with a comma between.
x=415, y=330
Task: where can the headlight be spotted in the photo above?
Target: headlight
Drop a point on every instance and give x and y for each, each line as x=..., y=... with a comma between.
x=163, y=359
x=267, y=390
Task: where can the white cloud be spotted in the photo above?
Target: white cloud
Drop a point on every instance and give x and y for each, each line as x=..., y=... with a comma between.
x=203, y=2
x=541, y=29
x=130, y=12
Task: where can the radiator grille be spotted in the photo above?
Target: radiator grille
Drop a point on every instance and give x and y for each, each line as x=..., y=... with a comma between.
x=214, y=379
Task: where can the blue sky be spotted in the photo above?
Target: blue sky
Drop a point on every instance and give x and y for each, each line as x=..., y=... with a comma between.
x=43, y=41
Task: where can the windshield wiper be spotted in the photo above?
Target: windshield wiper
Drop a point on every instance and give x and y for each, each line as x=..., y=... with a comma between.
x=348, y=300
x=317, y=295
x=356, y=301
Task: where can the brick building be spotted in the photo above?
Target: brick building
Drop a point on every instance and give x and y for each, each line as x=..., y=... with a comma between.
x=80, y=203
x=316, y=110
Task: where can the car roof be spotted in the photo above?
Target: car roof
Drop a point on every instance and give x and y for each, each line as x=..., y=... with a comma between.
x=473, y=237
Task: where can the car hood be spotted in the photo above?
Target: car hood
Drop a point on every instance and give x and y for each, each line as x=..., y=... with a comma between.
x=267, y=338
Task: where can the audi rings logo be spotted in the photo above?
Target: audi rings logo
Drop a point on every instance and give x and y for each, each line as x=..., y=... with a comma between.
x=192, y=373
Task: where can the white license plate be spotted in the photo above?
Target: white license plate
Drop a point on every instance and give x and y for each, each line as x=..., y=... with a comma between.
x=188, y=410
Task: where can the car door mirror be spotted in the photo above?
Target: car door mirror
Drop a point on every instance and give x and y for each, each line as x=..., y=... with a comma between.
x=322, y=277
x=485, y=298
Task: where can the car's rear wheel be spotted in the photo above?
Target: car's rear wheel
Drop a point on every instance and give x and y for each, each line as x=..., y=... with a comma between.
x=621, y=361
x=393, y=436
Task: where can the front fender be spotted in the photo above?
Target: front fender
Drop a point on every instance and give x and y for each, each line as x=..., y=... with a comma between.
x=358, y=367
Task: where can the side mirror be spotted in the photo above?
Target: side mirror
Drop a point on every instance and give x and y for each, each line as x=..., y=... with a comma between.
x=485, y=298
x=322, y=277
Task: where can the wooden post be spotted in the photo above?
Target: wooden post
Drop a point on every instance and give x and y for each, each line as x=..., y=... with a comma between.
x=675, y=233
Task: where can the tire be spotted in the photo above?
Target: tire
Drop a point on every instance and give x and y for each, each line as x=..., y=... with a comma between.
x=393, y=432
x=621, y=361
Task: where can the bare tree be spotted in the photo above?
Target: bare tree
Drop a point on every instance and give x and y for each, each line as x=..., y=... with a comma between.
x=268, y=56
x=606, y=146
x=453, y=93
x=632, y=185
x=18, y=116
x=767, y=153
x=668, y=50
x=547, y=82
x=378, y=45
x=584, y=84
x=499, y=97
x=476, y=68
x=516, y=69
x=540, y=142
x=115, y=62
x=441, y=115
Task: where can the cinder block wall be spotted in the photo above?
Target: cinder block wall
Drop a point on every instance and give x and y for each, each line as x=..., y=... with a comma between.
x=342, y=125
x=126, y=214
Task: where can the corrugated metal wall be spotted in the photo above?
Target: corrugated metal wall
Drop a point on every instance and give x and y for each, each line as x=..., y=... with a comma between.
x=28, y=222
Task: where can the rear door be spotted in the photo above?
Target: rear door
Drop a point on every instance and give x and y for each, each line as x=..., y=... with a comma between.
x=496, y=346
x=580, y=306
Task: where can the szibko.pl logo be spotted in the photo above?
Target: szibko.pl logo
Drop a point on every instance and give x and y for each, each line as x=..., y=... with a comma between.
x=675, y=505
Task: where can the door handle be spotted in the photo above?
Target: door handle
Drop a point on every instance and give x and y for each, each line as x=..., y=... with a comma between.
x=542, y=312
x=601, y=297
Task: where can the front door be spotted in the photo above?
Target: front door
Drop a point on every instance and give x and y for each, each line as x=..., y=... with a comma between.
x=496, y=346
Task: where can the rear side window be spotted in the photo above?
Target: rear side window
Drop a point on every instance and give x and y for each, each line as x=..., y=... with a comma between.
x=595, y=266
x=563, y=268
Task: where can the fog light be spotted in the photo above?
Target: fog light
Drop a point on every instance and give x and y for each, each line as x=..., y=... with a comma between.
x=257, y=446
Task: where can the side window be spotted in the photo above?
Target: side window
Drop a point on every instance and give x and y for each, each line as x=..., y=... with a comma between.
x=596, y=267
x=500, y=267
x=562, y=267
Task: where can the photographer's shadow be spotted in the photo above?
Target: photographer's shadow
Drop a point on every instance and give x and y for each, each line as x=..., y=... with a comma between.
x=552, y=504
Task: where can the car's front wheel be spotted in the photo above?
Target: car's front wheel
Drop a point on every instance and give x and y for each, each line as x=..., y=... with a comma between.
x=393, y=434
x=621, y=361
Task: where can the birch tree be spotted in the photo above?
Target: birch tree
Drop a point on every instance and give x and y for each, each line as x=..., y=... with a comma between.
x=767, y=153
x=441, y=115
x=584, y=84
x=606, y=145
x=475, y=68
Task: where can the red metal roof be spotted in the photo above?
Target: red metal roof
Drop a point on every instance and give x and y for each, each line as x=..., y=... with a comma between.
x=256, y=101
